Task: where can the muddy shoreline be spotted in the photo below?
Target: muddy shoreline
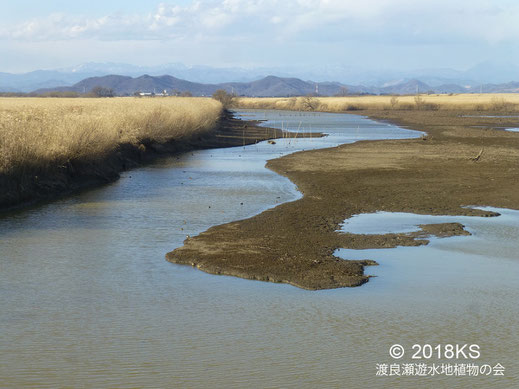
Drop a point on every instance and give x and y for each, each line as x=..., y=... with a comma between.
x=29, y=187
x=462, y=161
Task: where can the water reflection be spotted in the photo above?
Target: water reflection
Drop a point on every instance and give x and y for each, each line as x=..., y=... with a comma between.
x=87, y=299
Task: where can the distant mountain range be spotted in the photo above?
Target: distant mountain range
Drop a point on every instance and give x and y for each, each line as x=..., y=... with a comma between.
x=485, y=75
x=265, y=87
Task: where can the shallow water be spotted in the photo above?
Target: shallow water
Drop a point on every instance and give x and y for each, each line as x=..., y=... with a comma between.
x=489, y=116
x=499, y=128
x=87, y=299
x=380, y=223
x=455, y=290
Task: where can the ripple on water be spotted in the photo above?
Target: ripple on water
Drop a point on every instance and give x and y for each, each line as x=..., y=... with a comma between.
x=87, y=299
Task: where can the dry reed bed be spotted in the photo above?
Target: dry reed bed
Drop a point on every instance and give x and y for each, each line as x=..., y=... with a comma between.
x=474, y=102
x=37, y=133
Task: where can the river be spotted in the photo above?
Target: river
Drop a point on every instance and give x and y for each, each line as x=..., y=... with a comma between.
x=88, y=300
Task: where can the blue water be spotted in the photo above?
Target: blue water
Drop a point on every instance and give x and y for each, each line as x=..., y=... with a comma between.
x=88, y=300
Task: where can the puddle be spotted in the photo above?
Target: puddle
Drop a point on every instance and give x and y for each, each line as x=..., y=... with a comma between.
x=489, y=116
x=491, y=237
x=381, y=223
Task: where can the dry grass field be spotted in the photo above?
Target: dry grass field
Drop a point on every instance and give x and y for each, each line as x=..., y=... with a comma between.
x=472, y=102
x=39, y=132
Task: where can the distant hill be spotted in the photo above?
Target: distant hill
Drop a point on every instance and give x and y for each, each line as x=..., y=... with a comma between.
x=406, y=88
x=270, y=86
x=364, y=79
x=509, y=87
x=279, y=86
x=125, y=85
x=451, y=88
x=27, y=82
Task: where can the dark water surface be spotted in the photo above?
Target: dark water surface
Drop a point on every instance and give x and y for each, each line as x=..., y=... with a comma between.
x=88, y=300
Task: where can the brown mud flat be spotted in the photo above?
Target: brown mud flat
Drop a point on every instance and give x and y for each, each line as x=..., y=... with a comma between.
x=29, y=186
x=463, y=161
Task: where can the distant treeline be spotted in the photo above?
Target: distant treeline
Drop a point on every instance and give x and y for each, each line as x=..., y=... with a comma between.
x=55, y=94
x=98, y=91
x=48, y=94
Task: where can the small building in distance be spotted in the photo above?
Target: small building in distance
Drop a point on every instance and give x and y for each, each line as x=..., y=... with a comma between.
x=164, y=93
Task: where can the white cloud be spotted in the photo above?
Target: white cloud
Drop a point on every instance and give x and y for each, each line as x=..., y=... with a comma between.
x=492, y=21
x=255, y=32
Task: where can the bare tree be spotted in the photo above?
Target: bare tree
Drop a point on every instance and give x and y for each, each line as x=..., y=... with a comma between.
x=419, y=102
x=343, y=92
x=393, y=102
x=310, y=103
x=101, y=91
x=224, y=97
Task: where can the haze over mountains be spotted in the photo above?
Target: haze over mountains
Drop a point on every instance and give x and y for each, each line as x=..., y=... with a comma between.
x=264, y=87
x=203, y=80
x=267, y=86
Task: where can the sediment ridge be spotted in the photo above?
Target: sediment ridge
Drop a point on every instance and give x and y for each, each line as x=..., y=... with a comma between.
x=466, y=159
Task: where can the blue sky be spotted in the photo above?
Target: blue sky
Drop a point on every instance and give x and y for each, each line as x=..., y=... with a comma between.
x=370, y=34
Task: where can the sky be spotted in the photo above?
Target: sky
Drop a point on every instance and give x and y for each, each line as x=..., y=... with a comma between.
x=361, y=34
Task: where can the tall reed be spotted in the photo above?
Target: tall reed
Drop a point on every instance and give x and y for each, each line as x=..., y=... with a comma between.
x=36, y=132
x=476, y=102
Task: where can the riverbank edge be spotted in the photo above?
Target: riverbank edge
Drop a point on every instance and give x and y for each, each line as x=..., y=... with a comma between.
x=309, y=263
x=22, y=190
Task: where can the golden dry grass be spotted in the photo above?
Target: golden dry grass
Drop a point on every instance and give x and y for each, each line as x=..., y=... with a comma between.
x=477, y=102
x=38, y=132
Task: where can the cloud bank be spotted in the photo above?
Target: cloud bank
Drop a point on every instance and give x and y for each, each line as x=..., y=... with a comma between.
x=403, y=20
x=256, y=29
